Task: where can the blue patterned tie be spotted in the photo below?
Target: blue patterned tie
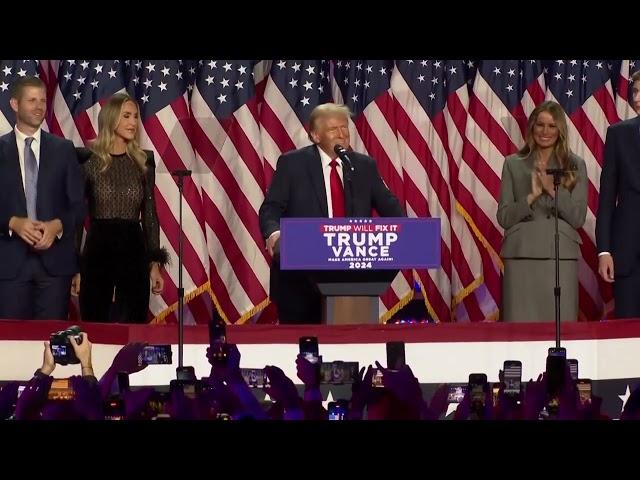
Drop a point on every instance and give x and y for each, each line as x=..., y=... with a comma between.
x=30, y=178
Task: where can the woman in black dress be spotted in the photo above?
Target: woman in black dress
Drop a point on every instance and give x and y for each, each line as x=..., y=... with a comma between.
x=121, y=258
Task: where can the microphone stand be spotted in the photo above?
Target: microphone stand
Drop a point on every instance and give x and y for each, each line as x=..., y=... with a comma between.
x=180, y=175
x=557, y=180
x=348, y=184
x=347, y=171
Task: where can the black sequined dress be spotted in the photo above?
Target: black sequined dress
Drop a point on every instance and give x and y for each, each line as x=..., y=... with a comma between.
x=122, y=239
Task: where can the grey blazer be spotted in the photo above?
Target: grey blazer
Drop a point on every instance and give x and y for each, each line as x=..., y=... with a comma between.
x=529, y=230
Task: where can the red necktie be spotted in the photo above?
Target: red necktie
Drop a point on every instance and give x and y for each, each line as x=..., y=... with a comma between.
x=337, y=191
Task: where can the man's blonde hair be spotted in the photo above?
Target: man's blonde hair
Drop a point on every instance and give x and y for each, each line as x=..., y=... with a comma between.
x=327, y=110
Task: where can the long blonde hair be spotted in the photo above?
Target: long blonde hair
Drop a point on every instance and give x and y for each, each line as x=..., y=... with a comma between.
x=108, y=120
x=561, y=149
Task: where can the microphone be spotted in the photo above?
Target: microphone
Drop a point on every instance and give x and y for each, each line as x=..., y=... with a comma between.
x=342, y=153
x=181, y=173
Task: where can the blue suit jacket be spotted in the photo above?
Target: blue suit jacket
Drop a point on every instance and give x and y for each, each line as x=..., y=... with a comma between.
x=60, y=195
x=617, y=221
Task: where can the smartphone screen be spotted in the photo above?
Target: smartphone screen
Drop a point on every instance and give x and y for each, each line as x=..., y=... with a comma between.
x=557, y=352
x=309, y=349
x=114, y=409
x=556, y=361
x=457, y=392
x=337, y=410
x=584, y=390
x=187, y=373
x=573, y=368
x=155, y=355
x=495, y=393
x=338, y=373
x=190, y=388
x=376, y=379
x=395, y=355
x=61, y=390
x=477, y=387
x=512, y=377
x=255, y=377
x=477, y=390
x=157, y=403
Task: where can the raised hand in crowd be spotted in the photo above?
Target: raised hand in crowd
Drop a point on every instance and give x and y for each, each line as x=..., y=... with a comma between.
x=405, y=388
x=309, y=373
x=437, y=408
x=128, y=360
x=226, y=369
x=361, y=392
x=283, y=390
x=534, y=398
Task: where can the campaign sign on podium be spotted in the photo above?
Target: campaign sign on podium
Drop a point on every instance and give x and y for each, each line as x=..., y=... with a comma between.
x=353, y=260
x=359, y=243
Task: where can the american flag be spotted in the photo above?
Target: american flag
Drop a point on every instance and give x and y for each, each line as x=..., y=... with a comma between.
x=431, y=115
x=439, y=145
x=293, y=89
x=226, y=139
x=583, y=88
x=504, y=94
x=82, y=86
x=365, y=87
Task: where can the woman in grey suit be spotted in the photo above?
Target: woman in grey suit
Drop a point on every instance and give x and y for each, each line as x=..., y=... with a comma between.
x=526, y=212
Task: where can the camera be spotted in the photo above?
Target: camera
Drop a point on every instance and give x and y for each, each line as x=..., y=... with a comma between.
x=63, y=352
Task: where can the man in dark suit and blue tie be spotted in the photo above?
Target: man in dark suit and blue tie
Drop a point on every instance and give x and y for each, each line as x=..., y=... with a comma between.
x=313, y=182
x=618, y=219
x=41, y=206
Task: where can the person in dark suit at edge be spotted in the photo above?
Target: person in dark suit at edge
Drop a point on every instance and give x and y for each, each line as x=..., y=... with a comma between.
x=617, y=220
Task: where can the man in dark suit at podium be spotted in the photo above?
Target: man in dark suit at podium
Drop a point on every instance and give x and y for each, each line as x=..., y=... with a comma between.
x=315, y=182
x=618, y=221
x=41, y=204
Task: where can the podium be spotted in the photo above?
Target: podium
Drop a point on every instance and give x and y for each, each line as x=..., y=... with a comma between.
x=354, y=260
x=351, y=297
